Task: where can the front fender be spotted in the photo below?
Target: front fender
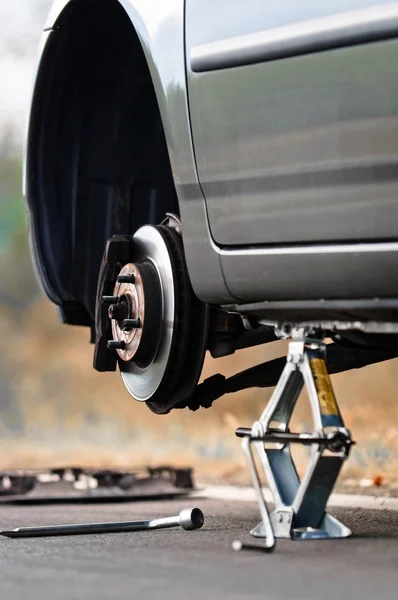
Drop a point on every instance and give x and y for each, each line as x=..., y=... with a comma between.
x=159, y=27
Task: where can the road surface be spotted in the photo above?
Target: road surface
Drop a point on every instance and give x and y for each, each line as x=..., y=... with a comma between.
x=193, y=565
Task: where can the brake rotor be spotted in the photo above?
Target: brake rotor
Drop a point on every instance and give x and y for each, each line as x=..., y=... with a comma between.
x=150, y=313
x=148, y=319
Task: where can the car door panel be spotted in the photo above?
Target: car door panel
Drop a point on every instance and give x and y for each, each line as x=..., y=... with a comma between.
x=303, y=148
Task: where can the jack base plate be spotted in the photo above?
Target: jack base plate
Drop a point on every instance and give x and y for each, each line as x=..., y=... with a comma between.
x=330, y=528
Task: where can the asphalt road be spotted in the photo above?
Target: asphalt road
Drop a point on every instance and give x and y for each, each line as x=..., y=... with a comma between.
x=193, y=564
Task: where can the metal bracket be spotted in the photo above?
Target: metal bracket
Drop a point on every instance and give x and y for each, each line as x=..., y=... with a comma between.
x=299, y=511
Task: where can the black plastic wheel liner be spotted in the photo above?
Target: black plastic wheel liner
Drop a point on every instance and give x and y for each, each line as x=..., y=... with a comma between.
x=97, y=160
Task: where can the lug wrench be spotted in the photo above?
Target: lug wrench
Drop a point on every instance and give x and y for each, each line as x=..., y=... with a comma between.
x=189, y=518
x=269, y=538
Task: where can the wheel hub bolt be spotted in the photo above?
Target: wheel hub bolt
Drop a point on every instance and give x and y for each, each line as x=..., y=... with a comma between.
x=110, y=299
x=131, y=324
x=116, y=345
x=126, y=278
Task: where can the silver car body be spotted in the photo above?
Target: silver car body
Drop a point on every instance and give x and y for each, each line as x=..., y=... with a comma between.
x=281, y=122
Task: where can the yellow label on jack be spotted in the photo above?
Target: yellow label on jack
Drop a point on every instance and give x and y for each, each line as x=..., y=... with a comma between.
x=327, y=399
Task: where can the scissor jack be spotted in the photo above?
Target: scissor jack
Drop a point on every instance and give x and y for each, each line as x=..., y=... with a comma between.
x=299, y=511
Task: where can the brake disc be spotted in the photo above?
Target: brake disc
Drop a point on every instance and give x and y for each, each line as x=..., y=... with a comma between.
x=152, y=354
x=158, y=326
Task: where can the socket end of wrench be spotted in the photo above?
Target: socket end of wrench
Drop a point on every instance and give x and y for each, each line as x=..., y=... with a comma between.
x=191, y=518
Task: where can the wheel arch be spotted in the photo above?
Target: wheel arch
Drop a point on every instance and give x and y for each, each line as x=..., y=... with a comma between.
x=96, y=161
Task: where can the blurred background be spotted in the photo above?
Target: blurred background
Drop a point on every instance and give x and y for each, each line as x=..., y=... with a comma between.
x=56, y=410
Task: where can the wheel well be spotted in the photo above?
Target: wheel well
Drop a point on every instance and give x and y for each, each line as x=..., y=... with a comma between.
x=97, y=161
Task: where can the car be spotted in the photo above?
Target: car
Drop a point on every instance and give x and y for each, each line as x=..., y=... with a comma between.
x=204, y=175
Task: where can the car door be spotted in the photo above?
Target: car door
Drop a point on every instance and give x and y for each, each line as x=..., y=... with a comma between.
x=294, y=112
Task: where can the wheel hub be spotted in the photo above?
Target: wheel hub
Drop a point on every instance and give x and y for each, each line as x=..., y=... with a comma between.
x=136, y=315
